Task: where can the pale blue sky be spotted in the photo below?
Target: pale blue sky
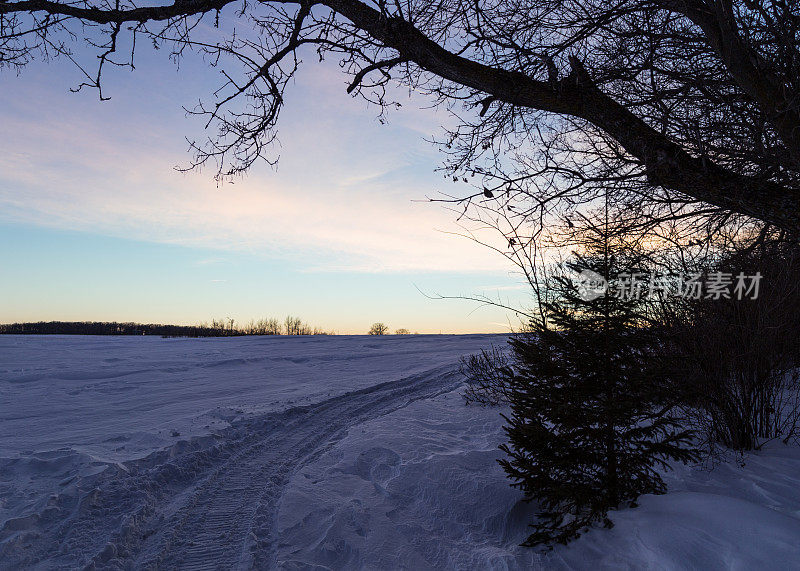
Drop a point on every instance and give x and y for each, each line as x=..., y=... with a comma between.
x=97, y=225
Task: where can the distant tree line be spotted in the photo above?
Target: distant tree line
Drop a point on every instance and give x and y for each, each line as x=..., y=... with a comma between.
x=217, y=328
x=110, y=328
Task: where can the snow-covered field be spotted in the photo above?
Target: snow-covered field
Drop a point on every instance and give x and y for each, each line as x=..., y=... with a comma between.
x=318, y=452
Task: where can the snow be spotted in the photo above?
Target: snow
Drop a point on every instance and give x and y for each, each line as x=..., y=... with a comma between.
x=119, y=398
x=319, y=452
x=422, y=486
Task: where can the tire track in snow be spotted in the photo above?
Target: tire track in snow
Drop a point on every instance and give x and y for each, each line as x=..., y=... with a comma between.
x=207, y=506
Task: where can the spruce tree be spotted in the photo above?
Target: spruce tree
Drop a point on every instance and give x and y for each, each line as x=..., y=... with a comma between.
x=591, y=412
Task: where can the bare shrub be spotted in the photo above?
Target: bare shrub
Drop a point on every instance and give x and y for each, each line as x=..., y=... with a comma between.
x=740, y=357
x=488, y=374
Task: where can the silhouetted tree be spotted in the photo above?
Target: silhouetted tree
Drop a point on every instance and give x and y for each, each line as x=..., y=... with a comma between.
x=378, y=329
x=292, y=325
x=592, y=411
x=272, y=326
x=683, y=106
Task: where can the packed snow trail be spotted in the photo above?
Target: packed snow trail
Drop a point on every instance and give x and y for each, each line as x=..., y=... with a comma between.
x=207, y=503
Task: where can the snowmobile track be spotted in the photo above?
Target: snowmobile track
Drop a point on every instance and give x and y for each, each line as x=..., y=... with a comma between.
x=205, y=506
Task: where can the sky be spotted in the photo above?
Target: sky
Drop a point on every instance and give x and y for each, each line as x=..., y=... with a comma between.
x=97, y=224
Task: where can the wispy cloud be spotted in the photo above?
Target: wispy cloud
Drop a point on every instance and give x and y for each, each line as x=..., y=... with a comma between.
x=502, y=287
x=338, y=202
x=210, y=261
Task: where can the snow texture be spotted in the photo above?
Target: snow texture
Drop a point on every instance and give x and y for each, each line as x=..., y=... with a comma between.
x=319, y=452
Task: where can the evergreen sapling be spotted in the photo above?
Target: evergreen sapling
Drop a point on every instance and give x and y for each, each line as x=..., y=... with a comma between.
x=592, y=416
